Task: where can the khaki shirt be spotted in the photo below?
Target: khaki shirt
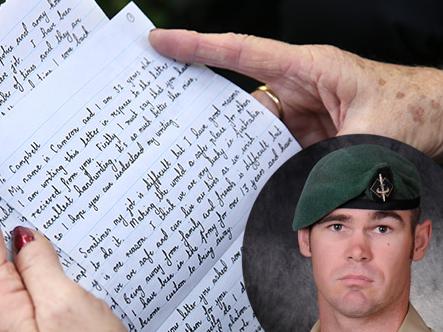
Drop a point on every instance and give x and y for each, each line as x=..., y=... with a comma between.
x=412, y=323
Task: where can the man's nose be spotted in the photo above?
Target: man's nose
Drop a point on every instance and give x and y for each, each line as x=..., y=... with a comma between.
x=359, y=247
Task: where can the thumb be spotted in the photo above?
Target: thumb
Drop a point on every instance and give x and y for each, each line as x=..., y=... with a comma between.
x=16, y=309
x=262, y=59
x=60, y=304
x=38, y=265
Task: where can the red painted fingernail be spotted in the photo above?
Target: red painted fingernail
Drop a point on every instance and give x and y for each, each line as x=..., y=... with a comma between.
x=22, y=236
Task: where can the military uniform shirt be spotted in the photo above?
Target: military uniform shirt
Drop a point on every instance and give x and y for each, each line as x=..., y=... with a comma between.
x=412, y=323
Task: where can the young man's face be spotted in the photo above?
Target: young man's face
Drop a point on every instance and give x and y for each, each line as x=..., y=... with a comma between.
x=361, y=259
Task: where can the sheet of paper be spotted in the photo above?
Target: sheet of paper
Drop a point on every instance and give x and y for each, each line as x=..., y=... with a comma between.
x=141, y=168
x=37, y=37
x=28, y=27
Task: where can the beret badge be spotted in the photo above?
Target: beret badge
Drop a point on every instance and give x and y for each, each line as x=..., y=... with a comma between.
x=382, y=185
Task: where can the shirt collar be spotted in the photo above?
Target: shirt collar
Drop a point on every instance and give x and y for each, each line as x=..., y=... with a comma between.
x=412, y=323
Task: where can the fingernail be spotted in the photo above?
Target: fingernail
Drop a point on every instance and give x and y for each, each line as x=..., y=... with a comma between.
x=22, y=236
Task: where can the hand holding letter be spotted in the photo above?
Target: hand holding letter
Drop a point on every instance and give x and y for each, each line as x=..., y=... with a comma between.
x=35, y=295
x=324, y=91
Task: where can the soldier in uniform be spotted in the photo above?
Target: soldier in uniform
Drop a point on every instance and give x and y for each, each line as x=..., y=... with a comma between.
x=358, y=220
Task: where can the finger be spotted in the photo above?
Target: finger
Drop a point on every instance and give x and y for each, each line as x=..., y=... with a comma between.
x=38, y=265
x=260, y=58
x=16, y=310
x=266, y=101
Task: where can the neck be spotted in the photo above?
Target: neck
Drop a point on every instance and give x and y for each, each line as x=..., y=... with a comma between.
x=387, y=319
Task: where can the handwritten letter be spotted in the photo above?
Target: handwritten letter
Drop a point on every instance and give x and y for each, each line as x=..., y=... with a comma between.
x=142, y=169
x=36, y=37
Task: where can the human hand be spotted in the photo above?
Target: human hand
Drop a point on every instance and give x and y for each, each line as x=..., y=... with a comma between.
x=325, y=91
x=35, y=295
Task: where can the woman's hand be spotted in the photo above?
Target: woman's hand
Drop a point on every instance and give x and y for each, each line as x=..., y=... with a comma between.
x=35, y=295
x=325, y=91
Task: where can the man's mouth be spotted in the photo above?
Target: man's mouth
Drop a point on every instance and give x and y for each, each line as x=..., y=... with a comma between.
x=356, y=279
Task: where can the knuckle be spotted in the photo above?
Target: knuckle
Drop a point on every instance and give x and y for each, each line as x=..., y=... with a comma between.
x=321, y=53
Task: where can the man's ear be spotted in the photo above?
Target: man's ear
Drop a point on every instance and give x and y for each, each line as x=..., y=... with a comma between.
x=422, y=238
x=304, y=244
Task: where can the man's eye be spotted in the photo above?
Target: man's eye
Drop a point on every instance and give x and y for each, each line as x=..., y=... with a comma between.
x=382, y=229
x=336, y=227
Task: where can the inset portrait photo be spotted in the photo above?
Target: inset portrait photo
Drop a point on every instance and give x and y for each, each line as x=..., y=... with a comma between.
x=348, y=233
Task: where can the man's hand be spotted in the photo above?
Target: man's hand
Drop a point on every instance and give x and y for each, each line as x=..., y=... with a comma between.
x=35, y=295
x=325, y=91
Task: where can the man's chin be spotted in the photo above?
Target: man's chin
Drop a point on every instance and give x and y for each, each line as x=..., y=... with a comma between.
x=356, y=304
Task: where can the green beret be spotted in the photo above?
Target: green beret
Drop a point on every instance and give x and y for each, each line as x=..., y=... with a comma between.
x=363, y=176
